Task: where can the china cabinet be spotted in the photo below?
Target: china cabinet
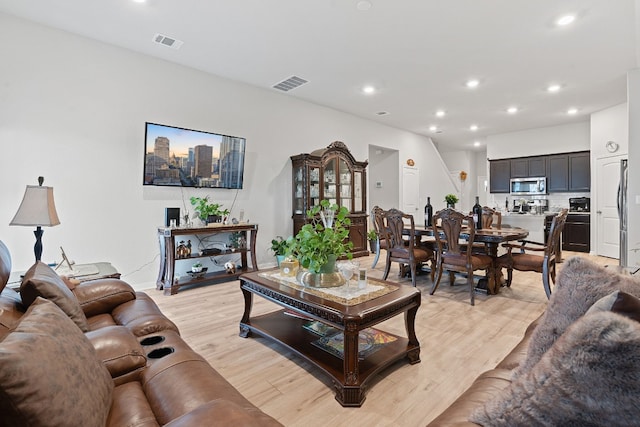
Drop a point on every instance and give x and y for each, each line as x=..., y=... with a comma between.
x=332, y=173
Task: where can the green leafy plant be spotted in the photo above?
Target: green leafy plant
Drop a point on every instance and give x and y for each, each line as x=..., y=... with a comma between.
x=451, y=199
x=279, y=246
x=326, y=234
x=205, y=209
x=372, y=235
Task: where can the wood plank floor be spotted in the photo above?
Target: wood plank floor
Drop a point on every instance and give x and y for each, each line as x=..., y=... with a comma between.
x=458, y=342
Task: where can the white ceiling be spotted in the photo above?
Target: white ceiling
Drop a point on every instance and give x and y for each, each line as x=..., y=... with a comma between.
x=417, y=53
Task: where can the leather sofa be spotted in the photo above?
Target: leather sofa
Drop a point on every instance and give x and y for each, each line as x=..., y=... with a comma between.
x=578, y=363
x=97, y=353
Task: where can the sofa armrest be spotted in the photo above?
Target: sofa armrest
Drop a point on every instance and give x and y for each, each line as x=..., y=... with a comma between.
x=103, y=295
x=118, y=349
x=225, y=413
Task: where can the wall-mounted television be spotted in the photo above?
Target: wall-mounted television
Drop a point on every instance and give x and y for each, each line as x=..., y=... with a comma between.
x=175, y=156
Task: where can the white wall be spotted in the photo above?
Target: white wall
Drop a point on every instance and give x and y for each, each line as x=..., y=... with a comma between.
x=633, y=97
x=611, y=124
x=73, y=110
x=534, y=142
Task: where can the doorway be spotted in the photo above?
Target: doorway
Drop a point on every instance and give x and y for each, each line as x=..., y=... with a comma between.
x=384, y=177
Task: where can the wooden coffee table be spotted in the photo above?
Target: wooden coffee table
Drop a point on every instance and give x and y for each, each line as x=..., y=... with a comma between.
x=351, y=372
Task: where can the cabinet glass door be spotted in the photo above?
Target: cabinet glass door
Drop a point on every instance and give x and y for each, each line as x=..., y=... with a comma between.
x=358, y=185
x=314, y=186
x=330, y=181
x=298, y=190
x=345, y=185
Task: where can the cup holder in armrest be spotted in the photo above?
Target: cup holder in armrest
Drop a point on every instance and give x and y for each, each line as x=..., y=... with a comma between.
x=160, y=352
x=152, y=340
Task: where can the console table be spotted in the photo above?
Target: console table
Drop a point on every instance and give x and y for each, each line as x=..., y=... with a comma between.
x=167, y=280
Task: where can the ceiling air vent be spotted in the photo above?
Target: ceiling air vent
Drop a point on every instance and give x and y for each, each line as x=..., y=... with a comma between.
x=291, y=83
x=167, y=41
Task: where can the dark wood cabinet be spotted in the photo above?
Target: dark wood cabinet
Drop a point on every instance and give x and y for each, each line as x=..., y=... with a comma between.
x=332, y=173
x=576, y=235
x=558, y=173
x=569, y=172
x=579, y=172
x=528, y=167
x=519, y=168
x=537, y=166
x=499, y=175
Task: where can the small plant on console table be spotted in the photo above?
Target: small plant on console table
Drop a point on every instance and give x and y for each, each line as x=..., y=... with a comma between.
x=279, y=247
x=208, y=212
x=324, y=239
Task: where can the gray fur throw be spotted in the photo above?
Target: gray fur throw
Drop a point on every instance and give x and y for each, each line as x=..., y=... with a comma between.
x=580, y=283
x=589, y=377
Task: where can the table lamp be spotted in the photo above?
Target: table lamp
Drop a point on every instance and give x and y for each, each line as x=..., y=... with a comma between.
x=37, y=209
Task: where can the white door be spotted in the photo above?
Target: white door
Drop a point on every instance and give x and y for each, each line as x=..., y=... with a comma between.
x=411, y=192
x=607, y=221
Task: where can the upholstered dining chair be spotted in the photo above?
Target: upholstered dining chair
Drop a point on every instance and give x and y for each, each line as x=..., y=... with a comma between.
x=544, y=263
x=452, y=253
x=401, y=250
x=490, y=218
x=377, y=214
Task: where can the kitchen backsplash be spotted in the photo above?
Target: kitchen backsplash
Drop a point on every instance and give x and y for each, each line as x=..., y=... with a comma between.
x=556, y=201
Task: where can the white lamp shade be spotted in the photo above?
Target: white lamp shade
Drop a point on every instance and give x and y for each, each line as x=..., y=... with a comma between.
x=37, y=208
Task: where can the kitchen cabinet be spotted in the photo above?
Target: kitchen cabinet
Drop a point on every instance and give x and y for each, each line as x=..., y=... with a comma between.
x=576, y=235
x=566, y=172
x=558, y=173
x=528, y=167
x=332, y=173
x=579, y=171
x=499, y=175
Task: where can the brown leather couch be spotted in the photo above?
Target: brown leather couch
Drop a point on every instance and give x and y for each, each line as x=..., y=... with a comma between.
x=486, y=387
x=578, y=364
x=114, y=361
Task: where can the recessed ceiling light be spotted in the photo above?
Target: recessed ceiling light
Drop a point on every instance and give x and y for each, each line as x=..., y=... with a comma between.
x=473, y=128
x=512, y=110
x=476, y=143
x=553, y=88
x=433, y=128
x=472, y=83
x=139, y=1
x=572, y=111
x=440, y=113
x=369, y=89
x=565, y=20
x=363, y=5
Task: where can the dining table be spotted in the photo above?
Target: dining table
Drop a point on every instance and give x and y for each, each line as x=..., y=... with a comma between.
x=491, y=237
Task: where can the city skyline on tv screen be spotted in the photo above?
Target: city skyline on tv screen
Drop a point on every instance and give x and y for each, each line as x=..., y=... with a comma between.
x=177, y=156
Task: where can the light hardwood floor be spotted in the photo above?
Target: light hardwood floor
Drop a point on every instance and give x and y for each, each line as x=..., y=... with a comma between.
x=458, y=342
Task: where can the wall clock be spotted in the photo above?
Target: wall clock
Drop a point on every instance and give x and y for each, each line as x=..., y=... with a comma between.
x=611, y=146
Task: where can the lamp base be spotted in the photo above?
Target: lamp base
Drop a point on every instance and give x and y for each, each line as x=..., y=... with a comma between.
x=37, y=248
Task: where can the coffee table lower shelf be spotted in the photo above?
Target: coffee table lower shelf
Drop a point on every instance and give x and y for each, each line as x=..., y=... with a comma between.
x=350, y=391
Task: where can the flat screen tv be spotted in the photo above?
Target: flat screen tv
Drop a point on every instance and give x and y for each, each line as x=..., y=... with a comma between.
x=176, y=156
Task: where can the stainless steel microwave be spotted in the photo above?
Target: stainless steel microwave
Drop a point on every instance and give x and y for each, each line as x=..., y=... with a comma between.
x=528, y=186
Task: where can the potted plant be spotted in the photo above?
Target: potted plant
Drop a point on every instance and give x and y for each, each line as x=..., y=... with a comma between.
x=279, y=247
x=373, y=238
x=208, y=212
x=451, y=200
x=197, y=267
x=324, y=239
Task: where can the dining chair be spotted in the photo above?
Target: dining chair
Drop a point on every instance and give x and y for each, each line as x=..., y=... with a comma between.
x=452, y=253
x=377, y=214
x=544, y=263
x=490, y=218
x=401, y=250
